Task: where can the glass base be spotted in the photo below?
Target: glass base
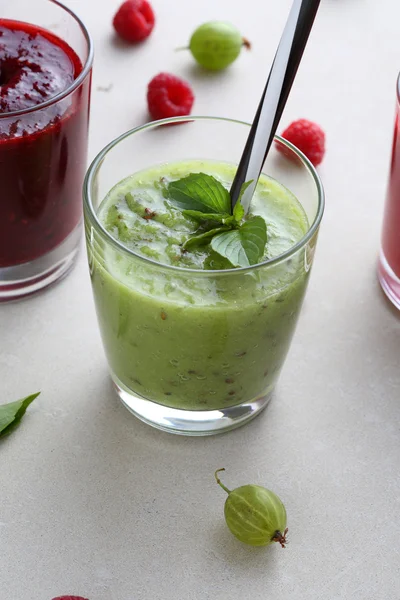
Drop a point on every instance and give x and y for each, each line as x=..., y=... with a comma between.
x=189, y=422
x=26, y=279
x=389, y=281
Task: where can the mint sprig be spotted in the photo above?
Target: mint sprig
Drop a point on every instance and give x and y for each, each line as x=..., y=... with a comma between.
x=12, y=413
x=238, y=238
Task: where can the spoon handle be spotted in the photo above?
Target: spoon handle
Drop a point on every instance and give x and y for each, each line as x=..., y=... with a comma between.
x=273, y=99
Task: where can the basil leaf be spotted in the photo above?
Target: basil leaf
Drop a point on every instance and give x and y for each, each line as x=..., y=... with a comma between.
x=244, y=246
x=200, y=192
x=202, y=238
x=224, y=218
x=12, y=413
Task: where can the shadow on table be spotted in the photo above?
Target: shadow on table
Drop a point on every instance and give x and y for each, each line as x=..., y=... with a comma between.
x=241, y=557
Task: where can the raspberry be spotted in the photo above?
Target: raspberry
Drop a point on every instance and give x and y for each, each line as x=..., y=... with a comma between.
x=307, y=137
x=169, y=96
x=134, y=20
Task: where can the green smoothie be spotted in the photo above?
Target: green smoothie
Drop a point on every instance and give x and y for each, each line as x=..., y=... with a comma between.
x=194, y=339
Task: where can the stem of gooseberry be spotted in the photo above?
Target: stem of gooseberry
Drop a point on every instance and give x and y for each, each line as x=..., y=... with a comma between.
x=182, y=48
x=220, y=482
x=281, y=539
x=246, y=43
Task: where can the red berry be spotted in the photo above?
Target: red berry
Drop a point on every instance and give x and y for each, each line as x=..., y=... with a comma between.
x=134, y=20
x=169, y=96
x=307, y=137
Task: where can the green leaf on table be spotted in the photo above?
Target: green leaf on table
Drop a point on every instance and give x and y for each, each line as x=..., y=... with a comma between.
x=245, y=246
x=203, y=238
x=12, y=413
x=200, y=192
x=224, y=218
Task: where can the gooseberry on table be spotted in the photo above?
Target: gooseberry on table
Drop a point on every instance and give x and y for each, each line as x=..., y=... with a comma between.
x=254, y=514
x=217, y=44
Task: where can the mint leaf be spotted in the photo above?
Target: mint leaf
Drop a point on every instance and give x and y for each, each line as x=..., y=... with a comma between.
x=244, y=246
x=12, y=413
x=215, y=262
x=224, y=218
x=238, y=211
x=202, y=238
x=244, y=187
x=200, y=192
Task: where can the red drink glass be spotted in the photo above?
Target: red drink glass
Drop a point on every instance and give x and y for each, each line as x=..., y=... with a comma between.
x=45, y=76
x=389, y=259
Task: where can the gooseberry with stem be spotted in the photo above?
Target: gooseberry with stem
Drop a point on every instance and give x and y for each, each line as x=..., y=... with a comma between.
x=254, y=514
x=216, y=44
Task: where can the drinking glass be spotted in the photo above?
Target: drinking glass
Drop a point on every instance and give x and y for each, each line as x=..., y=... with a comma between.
x=43, y=157
x=191, y=351
x=389, y=259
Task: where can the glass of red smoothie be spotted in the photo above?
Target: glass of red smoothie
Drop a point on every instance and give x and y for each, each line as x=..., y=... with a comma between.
x=46, y=57
x=389, y=259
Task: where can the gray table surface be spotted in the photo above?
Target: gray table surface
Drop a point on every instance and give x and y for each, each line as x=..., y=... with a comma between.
x=92, y=501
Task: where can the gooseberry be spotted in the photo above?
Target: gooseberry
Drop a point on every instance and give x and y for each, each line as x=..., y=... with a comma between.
x=216, y=44
x=255, y=515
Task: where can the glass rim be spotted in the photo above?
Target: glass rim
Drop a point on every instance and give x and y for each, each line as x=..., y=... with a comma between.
x=75, y=84
x=96, y=164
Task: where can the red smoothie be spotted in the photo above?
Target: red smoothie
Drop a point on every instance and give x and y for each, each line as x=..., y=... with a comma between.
x=42, y=149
